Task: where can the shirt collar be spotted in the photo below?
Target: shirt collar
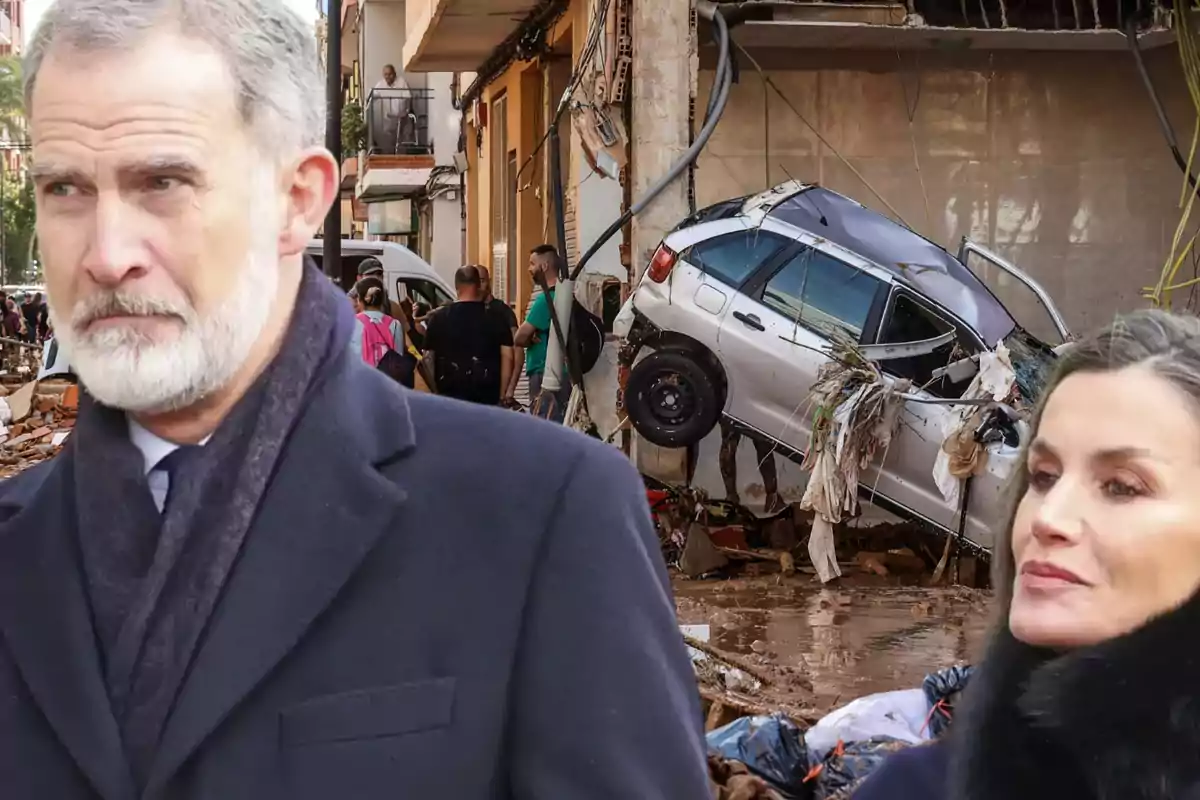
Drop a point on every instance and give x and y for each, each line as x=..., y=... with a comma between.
x=154, y=448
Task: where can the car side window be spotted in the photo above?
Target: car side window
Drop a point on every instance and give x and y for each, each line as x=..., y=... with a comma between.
x=820, y=292
x=733, y=257
x=910, y=321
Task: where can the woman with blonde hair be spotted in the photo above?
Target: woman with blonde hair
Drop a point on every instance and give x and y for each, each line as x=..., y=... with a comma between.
x=1089, y=688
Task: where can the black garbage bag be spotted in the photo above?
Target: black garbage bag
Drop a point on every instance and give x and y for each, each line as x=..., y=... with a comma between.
x=771, y=747
x=848, y=765
x=942, y=689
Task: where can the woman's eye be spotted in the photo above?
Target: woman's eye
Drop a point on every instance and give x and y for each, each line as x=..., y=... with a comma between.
x=1041, y=480
x=1121, y=490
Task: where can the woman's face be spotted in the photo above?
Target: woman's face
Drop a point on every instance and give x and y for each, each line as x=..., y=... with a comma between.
x=1107, y=535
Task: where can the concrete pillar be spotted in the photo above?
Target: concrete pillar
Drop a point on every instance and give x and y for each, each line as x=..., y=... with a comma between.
x=665, y=65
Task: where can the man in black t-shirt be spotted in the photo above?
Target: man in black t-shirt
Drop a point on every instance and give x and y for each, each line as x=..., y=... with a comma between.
x=472, y=346
x=501, y=308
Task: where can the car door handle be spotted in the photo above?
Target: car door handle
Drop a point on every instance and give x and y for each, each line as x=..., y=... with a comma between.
x=749, y=320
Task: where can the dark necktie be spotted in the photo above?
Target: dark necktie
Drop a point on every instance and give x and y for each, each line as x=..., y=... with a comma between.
x=174, y=464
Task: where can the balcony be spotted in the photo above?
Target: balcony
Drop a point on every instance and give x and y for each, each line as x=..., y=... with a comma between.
x=399, y=155
x=458, y=35
x=6, y=28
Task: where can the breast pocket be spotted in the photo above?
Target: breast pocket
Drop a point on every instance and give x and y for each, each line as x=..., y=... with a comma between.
x=370, y=713
x=367, y=743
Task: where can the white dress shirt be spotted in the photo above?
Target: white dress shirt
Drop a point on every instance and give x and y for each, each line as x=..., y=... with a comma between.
x=154, y=449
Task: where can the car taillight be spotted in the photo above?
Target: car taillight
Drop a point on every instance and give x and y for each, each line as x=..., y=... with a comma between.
x=662, y=264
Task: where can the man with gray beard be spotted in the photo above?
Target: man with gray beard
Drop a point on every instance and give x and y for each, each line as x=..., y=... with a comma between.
x=260, y=569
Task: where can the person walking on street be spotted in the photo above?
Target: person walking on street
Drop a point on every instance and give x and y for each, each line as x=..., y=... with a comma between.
x=505, y=312
x=378, y=338
x=534, y=335
x=221, y=588
x=414, y=329
x=471, y=345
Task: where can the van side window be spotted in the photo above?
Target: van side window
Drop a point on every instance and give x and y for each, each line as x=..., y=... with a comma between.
x=734, y=257
x=910, y=321
x=820, y=292
x=422, y=291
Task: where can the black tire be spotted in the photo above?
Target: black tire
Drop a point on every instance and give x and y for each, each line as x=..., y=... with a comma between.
x=672, y=399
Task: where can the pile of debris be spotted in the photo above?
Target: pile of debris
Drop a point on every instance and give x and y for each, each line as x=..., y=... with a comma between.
x=856, y=415
x=702, y=538
x=35, y=421
x=776, y=757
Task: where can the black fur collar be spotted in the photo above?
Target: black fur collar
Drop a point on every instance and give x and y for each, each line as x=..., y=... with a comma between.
x=1119, y=721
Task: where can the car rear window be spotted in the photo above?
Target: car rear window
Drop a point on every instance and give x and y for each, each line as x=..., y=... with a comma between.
x=733, y=257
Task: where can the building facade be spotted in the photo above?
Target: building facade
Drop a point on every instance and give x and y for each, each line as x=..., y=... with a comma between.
x=400, y=181
x=1028, y=128
x=518, y=73
x=12, y=34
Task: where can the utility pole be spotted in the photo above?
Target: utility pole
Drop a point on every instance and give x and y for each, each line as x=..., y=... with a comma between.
x=332, y=252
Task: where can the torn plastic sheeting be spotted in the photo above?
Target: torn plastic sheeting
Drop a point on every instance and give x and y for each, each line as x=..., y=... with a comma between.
x=842, y=771
x=941, y=689
x=771, y=747
x=897, y=715
x=994, y=381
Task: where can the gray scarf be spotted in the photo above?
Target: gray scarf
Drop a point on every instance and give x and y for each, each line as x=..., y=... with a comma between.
x=154, y=579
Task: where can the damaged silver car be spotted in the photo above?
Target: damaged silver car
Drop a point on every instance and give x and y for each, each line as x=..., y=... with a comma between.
x=737, y=312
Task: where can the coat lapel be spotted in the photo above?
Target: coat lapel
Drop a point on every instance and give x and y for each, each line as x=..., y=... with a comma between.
x=47, y=625
x=323, y=512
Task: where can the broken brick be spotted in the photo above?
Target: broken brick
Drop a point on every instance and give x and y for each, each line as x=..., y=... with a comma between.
x=40, y=432
x=70, y=397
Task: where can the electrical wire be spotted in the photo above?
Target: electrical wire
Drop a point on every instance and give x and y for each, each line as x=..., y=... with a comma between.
x=722, y=87
x=597, y=26
x=820, y=138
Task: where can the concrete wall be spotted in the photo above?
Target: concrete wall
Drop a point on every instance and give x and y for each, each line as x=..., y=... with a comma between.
x=446, y=253
x=599, y=205
x=1055, y=160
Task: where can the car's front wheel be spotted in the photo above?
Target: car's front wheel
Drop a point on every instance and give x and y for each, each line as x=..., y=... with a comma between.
x=672, y=399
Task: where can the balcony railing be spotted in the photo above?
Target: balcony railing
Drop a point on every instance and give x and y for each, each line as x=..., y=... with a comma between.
x=398, y=122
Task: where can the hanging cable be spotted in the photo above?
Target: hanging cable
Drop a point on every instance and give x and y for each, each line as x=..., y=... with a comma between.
x=589, y=51
x=721, y=88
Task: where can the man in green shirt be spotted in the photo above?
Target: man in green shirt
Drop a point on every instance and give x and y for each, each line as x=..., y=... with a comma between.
x=534, y=335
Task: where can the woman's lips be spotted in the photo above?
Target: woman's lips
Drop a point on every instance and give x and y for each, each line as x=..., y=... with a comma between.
x=1044, y=575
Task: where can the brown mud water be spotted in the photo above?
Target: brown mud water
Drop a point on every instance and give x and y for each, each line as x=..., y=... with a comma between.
x=818, y=647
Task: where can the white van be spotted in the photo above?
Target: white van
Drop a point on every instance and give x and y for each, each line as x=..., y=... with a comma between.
x=405, y=273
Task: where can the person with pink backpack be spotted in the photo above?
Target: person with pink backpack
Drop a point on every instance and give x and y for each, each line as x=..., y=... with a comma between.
x=378, y=338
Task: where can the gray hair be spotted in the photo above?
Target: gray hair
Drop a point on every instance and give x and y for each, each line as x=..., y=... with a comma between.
x=271, y=53
x=1168, y=344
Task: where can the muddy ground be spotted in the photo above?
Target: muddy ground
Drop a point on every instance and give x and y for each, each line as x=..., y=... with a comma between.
x=822, y=646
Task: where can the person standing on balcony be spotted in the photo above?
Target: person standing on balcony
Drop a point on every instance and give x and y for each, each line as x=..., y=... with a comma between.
x=393, y=109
